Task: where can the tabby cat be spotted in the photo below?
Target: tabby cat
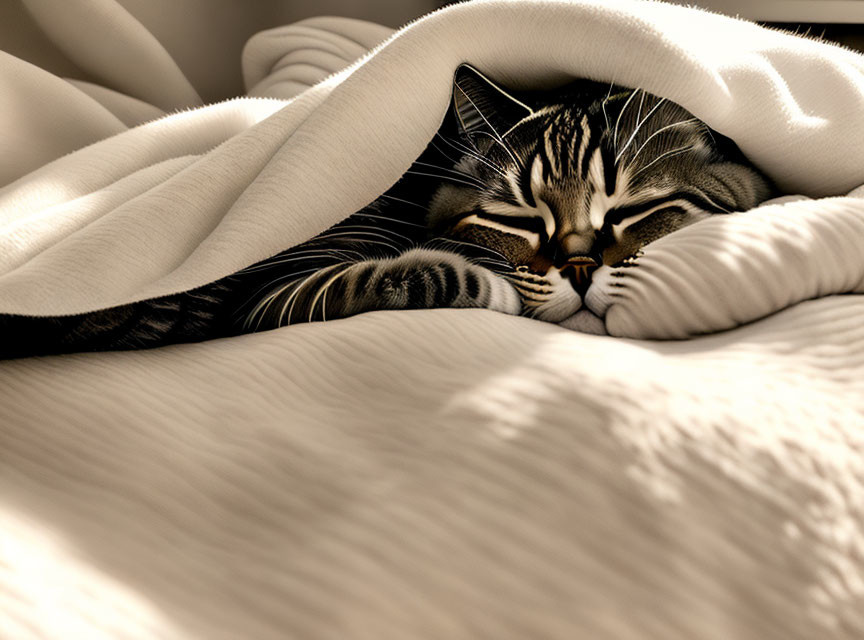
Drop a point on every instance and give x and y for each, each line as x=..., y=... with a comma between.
x=513, y=205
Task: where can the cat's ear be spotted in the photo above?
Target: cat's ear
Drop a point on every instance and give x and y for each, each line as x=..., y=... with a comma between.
x=726, y=147
x=483, y=107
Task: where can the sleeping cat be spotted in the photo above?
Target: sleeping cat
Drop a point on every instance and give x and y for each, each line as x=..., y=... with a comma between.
x=514, y=204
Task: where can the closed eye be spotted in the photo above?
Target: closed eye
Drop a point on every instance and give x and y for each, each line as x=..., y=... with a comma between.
x=617, y=215
x=505, y=212
x=616, y=229
x=530, y=228
x=532, y=224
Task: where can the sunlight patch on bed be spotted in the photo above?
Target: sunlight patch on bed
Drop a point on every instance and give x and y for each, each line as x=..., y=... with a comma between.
x=46, y=591
x=511, y=403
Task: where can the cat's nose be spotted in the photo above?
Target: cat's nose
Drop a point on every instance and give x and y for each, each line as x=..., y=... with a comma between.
x=579, y=270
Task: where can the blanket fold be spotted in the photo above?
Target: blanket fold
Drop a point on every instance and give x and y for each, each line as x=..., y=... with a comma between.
x=440, y=473
x=730, y=270
x=108, y=42
x=285, y=61
x=790, y=103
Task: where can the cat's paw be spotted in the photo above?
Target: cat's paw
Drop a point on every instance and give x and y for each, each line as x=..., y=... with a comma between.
x=503, y=295
x=445, y=279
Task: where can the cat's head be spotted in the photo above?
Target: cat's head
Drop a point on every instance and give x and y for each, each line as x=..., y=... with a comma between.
x=562, y=182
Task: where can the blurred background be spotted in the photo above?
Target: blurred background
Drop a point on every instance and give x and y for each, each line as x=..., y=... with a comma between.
x=201, y=34
x=840, y=21
x=220, y=28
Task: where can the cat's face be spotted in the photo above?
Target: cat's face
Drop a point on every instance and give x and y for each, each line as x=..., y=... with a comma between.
x=587, y=178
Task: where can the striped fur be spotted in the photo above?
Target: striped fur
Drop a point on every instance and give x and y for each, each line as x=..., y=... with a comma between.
x=588, y=176
x=512, y=206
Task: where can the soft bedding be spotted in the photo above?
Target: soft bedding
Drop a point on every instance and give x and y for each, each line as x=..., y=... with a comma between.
x=441, y=473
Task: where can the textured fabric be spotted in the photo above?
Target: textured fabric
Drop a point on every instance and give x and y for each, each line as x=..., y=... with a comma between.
x=791, y=103
x=441, y=474
x=730, y=270
x=433, y=474
x=285, y=61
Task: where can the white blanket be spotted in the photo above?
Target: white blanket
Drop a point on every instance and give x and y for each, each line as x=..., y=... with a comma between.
x=430, y=474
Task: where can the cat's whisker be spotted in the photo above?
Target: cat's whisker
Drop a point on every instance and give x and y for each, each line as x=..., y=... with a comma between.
x=403, y=201
x=472, y=184
x=621, y=115
x=531, y=286
x=452, y=241
x=344, y=253
x=260, y=309
x=494, y=133
x=376, y=231
x=373, y=242
x=250, y=316
x=261, y=263
x=292, y=298
x=455, y=161
x=320, y=264
x=312, y=249
x=294, y=275
x=471, y=153
x=322, y=294
x=279, y=263
x=523, y=274
x=708, y=131
x=501, y=268
x=603, y=105
x=449, y=244
x=396, y=220
x=505, y=146
x=273, y=262
x=663, y=156
x=466, y=152
x=639, y=126
x=529, y=292
x=658, y=132
x=467, y=176
x=639, y=110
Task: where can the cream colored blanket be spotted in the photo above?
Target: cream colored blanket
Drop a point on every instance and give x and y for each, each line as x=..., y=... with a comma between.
x=431, y=474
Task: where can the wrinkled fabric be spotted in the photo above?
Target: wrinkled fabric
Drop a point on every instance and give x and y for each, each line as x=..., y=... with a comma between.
x=445, y=473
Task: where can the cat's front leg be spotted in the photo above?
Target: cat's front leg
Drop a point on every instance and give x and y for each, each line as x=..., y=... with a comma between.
x=417, y=279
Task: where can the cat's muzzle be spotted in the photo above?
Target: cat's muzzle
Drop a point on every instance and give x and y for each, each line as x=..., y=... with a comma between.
x=579, y=270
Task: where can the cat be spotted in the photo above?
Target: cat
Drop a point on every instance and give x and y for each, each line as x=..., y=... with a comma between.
x=517, y=200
